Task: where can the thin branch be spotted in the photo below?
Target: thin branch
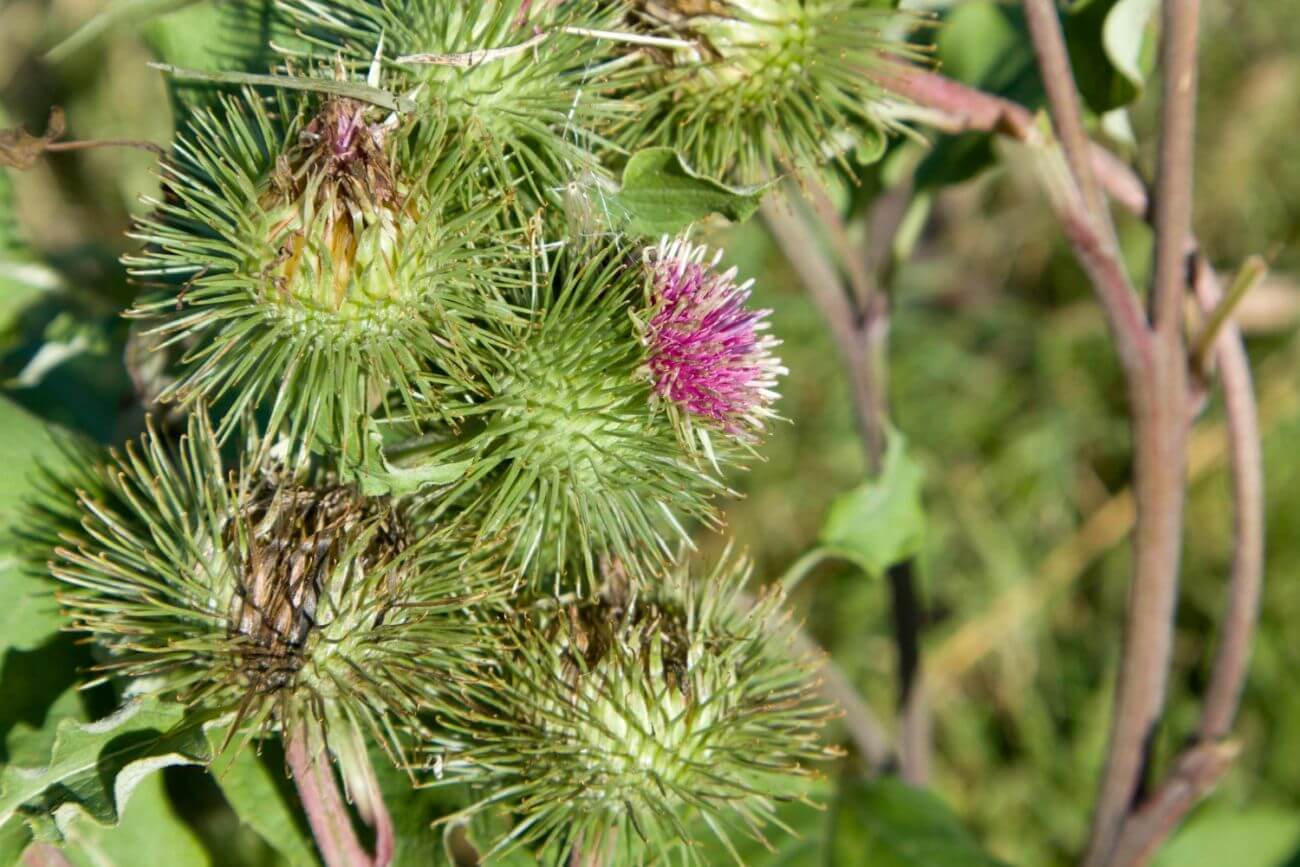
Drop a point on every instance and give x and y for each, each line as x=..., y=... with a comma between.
x=855, y=265
x=815, y=271
x=860, y=722
x=820, y=278
x=1159, y=398
x=958, y=108
x=327, y=814
x=1247, y=465
x=1206, y=345
x=362, y=786
x=861, y=337
x=1063, y=99
x=137, y=144
x=1195, y=773
x=913, y=701
x=1173, y=199
x=1200, y=767
x=44, y=855
x=1100, y=260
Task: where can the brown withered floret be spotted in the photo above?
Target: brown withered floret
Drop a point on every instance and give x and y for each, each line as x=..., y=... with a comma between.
x=296, y=539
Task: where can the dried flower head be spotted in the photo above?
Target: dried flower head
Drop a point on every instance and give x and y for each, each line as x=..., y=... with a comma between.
x=641, y=721
x=762, y=86
x=709, y=355
x=267, y=593
x=319, y=261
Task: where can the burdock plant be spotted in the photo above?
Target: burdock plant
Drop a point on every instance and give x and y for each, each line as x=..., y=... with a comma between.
x=467, y=442
x=269, y=593
x=629, y=386
x=316, y=257
x=639, y=720
x=761, y=87
x=523, y=84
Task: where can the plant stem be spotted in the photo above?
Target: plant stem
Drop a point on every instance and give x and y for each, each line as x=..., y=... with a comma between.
x=1246, y=462
x=1201, y=766
x=327, y=814
x=954, y=107
x=44, y=855
x=1063, y=99
x=913, y=714
x=861, y=336
x=1160, y=398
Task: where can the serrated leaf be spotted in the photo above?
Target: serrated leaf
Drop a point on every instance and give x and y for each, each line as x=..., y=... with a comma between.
x=881, y=521
x=1254, y=837
x=94, y=767
x=661, y=195
x=887, y=823
x=149, y=835
x=260, y=800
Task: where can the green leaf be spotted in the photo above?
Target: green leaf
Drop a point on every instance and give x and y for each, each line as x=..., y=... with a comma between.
x=260, y=800
x=28, y=613
x=1254, y=837
x=413, y=812
x=149, y=835
x=94, y=767
x=986, y=45
x=1109, y=43
x=886, y=823
x=661, y=195
x=39, y=688
x=880, y=522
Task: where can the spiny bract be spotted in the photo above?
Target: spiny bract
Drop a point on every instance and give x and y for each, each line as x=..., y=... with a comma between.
x=762, y=86
x=568, y=453
x=639, y=721
x=318, y=261
x=522, y=84
x=272, y=594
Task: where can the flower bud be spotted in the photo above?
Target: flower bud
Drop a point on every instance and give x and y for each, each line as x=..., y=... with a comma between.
x=322, y=264
x=761, y=87
x=640, y=720
x=568, y=453
x=520, y=83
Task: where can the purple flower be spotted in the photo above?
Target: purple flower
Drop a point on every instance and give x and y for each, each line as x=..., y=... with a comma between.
x=708, y=352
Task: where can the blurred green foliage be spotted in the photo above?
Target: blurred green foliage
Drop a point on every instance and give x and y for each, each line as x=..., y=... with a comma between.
x=1002, y=381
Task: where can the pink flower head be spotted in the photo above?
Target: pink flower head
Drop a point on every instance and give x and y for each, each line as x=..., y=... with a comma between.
x=708, y=352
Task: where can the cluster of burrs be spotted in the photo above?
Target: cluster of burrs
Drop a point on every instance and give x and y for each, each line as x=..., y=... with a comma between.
x=446, y=443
